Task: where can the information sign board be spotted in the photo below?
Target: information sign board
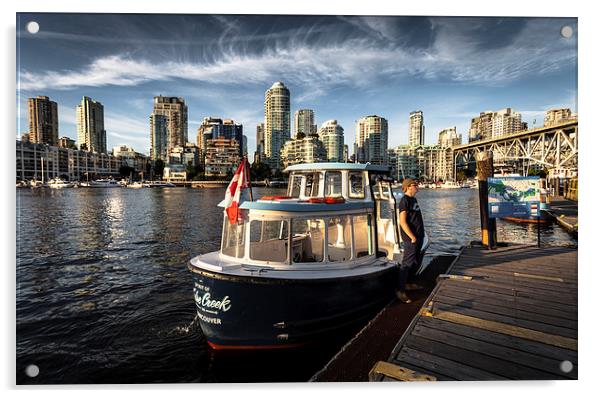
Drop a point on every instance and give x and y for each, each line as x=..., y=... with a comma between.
x=513, y=197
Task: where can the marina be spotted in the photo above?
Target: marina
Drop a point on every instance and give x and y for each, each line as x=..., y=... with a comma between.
x=198, y=201
x=112, y=278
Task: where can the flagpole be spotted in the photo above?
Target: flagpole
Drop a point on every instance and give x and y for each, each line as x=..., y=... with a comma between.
x=249, y=174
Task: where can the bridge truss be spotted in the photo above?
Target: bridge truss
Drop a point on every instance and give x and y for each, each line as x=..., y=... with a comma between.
x=551, y=147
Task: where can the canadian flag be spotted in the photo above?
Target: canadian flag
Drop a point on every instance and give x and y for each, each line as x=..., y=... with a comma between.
x=232, y=199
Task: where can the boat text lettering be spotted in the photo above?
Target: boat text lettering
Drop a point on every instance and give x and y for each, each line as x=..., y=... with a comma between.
x=206, y=301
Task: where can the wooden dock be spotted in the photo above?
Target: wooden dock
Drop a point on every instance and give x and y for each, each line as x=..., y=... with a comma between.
x=509, y=313
x=566, y=213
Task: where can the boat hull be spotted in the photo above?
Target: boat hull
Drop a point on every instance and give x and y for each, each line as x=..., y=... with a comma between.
x=240, y=312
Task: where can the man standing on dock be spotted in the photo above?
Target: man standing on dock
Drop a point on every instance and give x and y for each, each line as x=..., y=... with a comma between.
x=412, y=234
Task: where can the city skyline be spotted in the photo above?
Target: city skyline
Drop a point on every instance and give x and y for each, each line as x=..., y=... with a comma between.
x=396, y=65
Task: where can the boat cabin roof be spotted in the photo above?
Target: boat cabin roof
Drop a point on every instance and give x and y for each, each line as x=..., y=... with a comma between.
x=337, y=166
x=319, y=187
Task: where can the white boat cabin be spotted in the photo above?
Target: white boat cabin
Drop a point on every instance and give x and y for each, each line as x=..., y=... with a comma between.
x=332, y=216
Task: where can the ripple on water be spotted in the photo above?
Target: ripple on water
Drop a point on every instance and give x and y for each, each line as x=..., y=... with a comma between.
x=104, y=294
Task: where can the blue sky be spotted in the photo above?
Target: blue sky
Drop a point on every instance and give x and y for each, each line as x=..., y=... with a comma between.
x=343, y=67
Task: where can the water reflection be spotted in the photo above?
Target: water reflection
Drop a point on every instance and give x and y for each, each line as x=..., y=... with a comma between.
x=104, y=295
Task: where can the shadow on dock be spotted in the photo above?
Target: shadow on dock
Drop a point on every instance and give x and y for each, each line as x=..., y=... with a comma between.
x=376, y=340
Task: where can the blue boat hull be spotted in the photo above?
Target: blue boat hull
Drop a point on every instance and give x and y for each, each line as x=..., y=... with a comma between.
x=237, y=312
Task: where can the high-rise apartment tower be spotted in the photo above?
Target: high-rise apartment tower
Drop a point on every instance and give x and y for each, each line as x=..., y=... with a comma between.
x=277, y=122
x=175, y=111
x=91, y=133
x=43, y=121
x=416, y=134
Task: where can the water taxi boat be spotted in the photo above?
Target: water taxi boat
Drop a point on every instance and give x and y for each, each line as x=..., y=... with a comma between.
x=297, y=267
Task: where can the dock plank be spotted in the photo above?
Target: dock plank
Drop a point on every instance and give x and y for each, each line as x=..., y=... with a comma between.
x=504, y=369
x=518, y=312
x=504, y=319
x=547, y=281
x=442, y=367
x=507, y=301
x=533, y=347
x=560, y=298
x=482, y=346
x=516, y=318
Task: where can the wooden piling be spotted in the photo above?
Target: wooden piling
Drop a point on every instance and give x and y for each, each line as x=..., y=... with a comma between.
x=488, y=225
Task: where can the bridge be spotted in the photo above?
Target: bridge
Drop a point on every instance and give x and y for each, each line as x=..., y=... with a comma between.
x=550, y=147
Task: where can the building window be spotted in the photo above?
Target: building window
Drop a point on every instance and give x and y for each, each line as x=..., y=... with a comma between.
x=308, y=240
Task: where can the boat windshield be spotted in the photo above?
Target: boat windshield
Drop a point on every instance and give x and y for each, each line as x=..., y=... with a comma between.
x=327, y=239
x=269, y=240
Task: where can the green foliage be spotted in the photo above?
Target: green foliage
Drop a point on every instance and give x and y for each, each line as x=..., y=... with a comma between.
x=543, y=173
x=192, y=172
x=159, y=166
x=260, y=171
x=125, y=170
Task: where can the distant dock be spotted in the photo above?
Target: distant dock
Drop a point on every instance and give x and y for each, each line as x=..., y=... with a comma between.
x=504, y=314
x=565, y=212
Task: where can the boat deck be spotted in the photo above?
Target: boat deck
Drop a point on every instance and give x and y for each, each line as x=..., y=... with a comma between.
x=509, y=313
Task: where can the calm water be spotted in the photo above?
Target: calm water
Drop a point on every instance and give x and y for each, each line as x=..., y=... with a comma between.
x=104, y=296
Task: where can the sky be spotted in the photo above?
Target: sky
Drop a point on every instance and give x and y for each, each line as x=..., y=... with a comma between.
x=342, y=67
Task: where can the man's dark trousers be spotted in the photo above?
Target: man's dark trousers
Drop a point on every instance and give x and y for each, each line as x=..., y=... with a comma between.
x=412, y=259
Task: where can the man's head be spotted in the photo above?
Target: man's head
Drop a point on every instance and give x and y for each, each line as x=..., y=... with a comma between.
x=409, y=186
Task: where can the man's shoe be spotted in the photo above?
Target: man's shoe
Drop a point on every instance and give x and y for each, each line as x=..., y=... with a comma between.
x=413, y=286
x=403, y=297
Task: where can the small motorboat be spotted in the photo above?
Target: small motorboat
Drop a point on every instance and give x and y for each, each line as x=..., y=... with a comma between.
x=103, y=183
x=57, y=183
x=135, y=185
x=157, y=184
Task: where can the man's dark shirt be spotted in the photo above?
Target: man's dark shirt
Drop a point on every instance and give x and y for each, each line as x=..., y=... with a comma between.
x=413, y=217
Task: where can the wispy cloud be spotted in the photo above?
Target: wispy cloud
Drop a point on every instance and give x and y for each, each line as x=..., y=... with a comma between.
x=454, y=56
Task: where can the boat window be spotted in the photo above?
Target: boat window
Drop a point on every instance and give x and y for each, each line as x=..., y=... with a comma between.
x=312, y=184
x=356, y=184
x=339, y=239
x=295, y=186
x=308, y=240
x=385, y=210
x=363, y=235
x=269, y=240
x=333, y=183
x=233, y=239
x=386, y=228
